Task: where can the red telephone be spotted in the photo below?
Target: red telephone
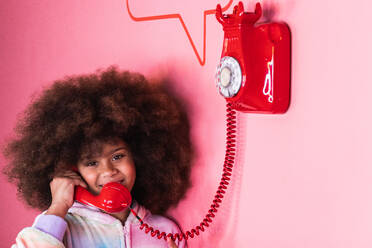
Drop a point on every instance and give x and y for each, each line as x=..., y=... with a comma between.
x=113, y=197
x=253, y=76
x=254, y=70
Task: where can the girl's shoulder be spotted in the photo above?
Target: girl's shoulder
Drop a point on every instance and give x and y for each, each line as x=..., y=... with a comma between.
x=163, y=224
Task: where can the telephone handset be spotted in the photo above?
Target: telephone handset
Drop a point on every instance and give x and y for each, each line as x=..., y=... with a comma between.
x=113, y=197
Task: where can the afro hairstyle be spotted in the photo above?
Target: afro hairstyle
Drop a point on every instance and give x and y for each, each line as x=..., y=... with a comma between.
x=66, y=118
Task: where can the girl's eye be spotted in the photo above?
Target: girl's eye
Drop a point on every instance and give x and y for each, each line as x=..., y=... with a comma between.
x=92, y=163
x=117, y=156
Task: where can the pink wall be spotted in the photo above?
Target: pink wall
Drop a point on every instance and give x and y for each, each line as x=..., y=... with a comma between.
x=303, y=179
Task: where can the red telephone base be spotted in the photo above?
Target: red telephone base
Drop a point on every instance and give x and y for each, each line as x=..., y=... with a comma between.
x=254, y=71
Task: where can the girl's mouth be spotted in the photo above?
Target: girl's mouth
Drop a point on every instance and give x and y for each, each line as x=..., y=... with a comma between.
x=120, y=181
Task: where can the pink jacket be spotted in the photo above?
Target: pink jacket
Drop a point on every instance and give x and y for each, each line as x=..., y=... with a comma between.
x=89, y=227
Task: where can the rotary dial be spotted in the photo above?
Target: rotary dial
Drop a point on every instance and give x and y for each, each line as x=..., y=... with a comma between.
x=228, y=76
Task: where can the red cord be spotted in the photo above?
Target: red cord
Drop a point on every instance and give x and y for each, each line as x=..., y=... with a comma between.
x=179, y=17
x=227, y=169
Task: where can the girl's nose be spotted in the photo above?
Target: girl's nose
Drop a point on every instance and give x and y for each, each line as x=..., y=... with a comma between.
x=108, y=169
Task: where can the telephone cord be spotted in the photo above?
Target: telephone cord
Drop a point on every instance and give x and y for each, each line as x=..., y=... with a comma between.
x=227, y=172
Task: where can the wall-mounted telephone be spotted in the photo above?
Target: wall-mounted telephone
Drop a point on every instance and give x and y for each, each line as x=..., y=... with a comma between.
x=253, y=76
x=254, y=70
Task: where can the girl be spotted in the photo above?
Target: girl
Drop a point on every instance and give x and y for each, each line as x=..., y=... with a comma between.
x=90, y=130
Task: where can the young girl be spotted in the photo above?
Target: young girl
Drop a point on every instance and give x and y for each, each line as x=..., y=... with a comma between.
x=91, y=130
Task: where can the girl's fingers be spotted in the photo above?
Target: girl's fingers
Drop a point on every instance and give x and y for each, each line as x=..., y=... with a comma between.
x=72, y=177
x=171, y=243
x=84, y=185
x=72, y=173
x=67, y=174
x=75, y=177
x=78, y=181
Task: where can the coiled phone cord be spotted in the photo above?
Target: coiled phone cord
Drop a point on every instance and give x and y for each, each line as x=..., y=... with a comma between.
x=227, y=171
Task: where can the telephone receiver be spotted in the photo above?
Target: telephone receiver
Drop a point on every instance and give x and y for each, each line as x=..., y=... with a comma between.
x=113, y=197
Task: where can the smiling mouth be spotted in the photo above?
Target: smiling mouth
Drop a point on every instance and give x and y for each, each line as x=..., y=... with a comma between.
x=120, y=181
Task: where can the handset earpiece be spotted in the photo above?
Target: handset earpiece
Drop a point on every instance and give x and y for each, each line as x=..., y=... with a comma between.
x=113, y=197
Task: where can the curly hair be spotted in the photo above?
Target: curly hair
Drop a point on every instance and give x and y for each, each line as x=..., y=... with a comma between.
x=61, y=124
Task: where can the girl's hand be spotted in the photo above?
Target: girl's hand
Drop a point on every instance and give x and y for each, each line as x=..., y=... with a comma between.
x=171, y=243
x=62, y=188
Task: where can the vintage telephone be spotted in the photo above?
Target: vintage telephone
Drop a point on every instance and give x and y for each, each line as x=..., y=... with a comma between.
x=254, y=71
x=253, y=76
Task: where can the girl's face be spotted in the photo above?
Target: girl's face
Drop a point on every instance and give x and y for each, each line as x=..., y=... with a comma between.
x=114, y=164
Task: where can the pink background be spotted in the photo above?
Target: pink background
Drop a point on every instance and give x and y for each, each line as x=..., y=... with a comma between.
x=303, y=179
